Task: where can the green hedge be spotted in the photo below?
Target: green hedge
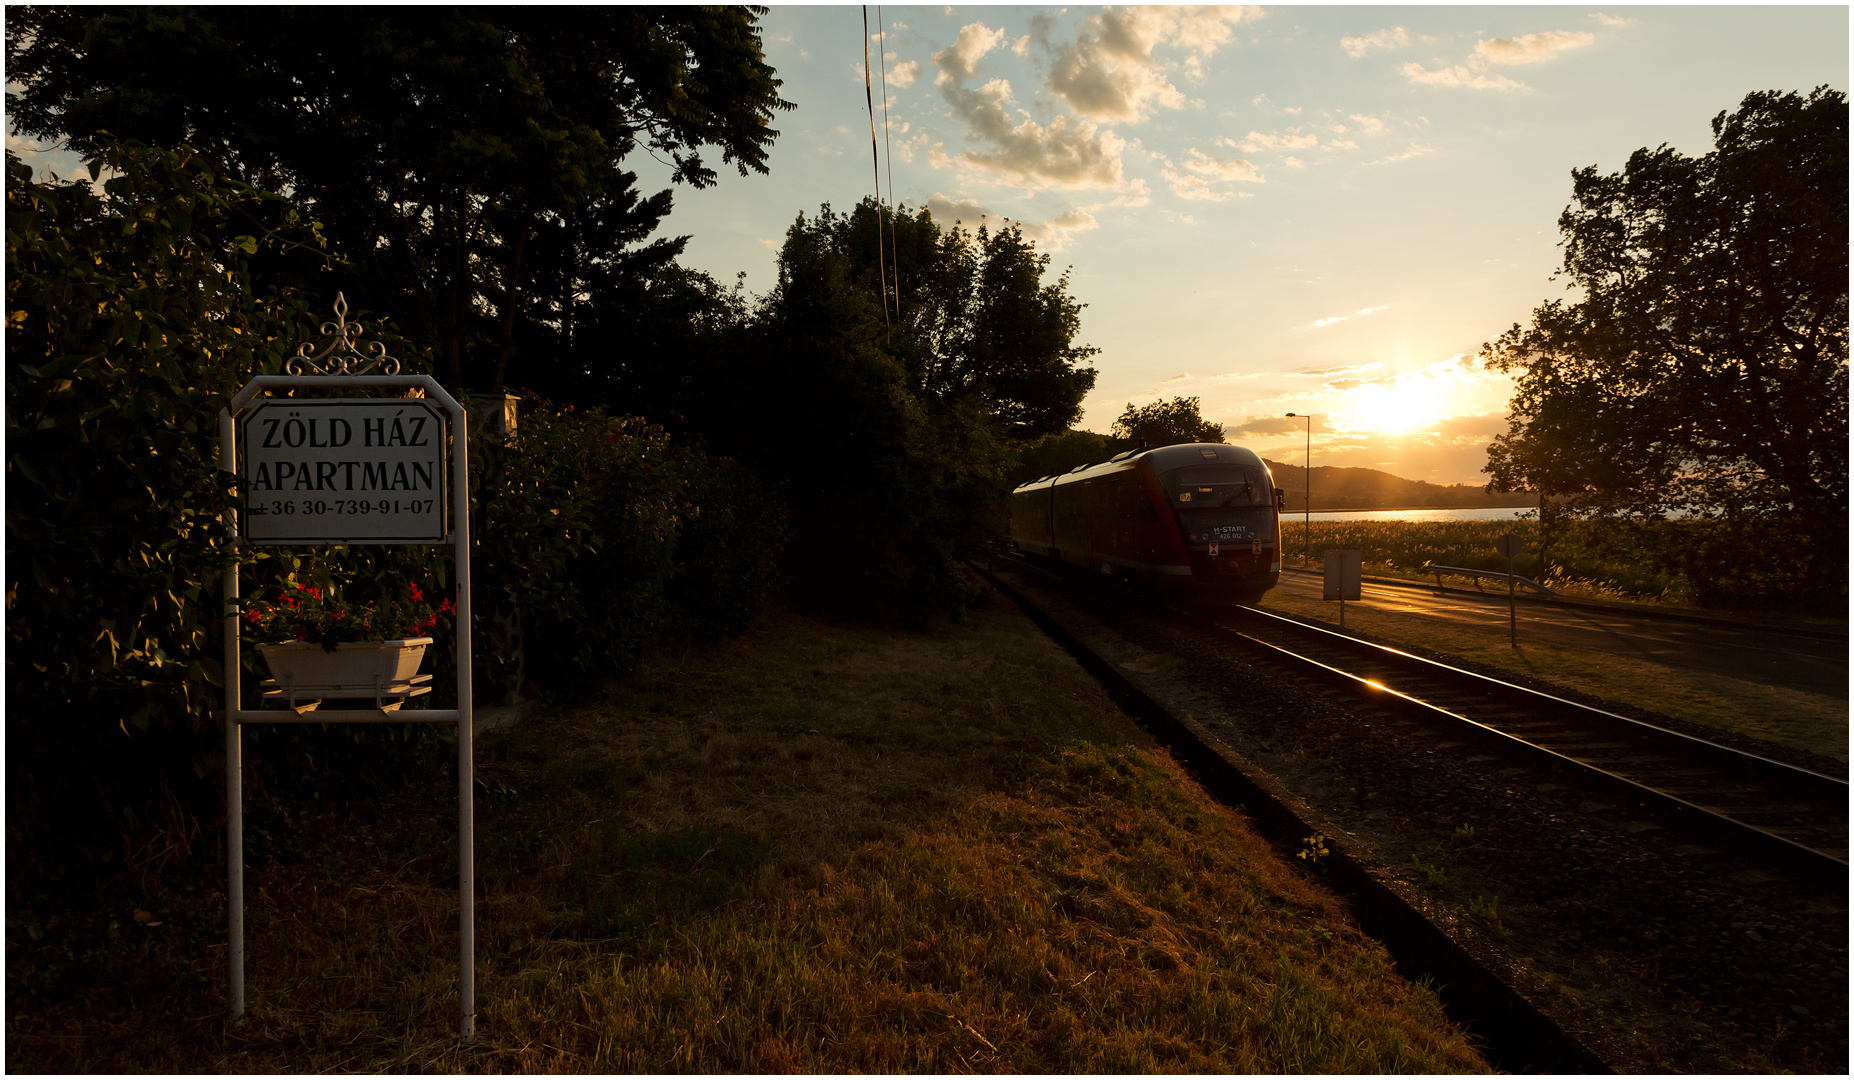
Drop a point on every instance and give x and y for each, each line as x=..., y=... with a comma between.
x=130, y=323
x=598, y=538
x=131, y=320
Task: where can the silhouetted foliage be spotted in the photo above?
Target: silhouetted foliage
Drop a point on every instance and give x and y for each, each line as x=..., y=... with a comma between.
x=466, y=160
x=1704, y=371
x=1060, y=453
x=1165, y=423
x=890, y=434
x=132, y=322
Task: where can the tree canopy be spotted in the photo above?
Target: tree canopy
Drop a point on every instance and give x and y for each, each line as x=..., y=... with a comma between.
x=1704, y=370
x=891, y=432
x=1165, y=423
x=466, y=160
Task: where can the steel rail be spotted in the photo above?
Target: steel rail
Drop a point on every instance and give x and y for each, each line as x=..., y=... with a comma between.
x=1683, y=811
x=1704, y=747
x=1710, y=819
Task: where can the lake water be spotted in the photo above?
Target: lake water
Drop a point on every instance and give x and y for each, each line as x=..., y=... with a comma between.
x=1483, y=513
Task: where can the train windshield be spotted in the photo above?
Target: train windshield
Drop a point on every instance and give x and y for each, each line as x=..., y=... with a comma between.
x=1217, y=486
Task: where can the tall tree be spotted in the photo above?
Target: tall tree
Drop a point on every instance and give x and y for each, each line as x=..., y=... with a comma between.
x=440, y=146
x=978, y=325
x=1165, y=423
x=1704, y=370
x=905, y=426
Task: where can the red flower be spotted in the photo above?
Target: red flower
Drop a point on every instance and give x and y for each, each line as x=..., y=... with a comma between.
x=446, y=607
x=417, y=594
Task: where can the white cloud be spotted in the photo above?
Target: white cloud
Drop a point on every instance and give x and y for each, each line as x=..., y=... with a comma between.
x=1064, y=153
x=1371, y=124
x=1021, y=46
x=1215, y=168
x=1053, y=234
x=957, y=61
x=1394, y=38
x=1525, y=49
x=1257, y=143
x=1415, y=150
x=1341, y=144
x=904, y=73
x=947, y=211
x=1532, y=48
x=1202, y=170
x=1459, y=75
x=1109, y=71
x=907, y=148
x=1328, y=321
x=1611, y=20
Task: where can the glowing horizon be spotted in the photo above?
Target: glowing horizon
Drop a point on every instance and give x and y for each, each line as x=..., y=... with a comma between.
x=1321, y=210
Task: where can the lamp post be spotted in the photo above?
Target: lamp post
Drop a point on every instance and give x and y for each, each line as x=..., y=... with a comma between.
x=1306, y=531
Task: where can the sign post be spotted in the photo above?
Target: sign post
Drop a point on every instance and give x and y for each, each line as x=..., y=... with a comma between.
x=1510, y=545
x=1344, y=578
x=348, y=471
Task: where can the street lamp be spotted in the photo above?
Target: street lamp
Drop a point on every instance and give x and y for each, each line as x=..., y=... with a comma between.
x=1307, y=527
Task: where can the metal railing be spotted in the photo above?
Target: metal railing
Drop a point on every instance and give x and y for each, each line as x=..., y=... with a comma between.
x=1462, y=571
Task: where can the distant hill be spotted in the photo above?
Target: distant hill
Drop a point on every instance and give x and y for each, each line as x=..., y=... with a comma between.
x=1373, y=489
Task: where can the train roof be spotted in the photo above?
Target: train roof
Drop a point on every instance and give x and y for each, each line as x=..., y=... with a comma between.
x=1161, y=458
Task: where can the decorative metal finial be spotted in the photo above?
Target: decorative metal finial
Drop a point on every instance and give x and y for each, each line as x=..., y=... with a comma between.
x=343, y=356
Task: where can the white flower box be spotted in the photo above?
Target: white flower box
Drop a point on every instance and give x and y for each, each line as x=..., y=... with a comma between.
x=303, y=672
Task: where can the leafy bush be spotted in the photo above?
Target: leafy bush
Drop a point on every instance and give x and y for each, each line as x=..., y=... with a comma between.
x=130, y=323
x=597, y=537
x=132, y=320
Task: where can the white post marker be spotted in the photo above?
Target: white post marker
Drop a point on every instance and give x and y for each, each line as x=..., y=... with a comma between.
x=1510, y=545
x=1345, y=575
x=349, y=471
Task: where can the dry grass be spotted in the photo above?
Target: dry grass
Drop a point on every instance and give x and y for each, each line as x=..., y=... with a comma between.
x=818, y=848
x=1794, y=718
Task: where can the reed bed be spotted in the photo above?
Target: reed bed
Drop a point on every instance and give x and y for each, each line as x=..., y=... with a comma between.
x=1577, y=564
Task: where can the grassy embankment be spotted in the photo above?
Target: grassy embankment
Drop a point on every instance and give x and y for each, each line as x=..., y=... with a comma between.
x=817, y=848
x=1722, y=699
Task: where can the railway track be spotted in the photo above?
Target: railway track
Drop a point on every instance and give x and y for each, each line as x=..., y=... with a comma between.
x=1613, y=877
x=1777, y=811
x=1768, y=809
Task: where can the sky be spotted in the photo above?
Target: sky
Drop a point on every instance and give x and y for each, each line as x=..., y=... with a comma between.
x=1318, y=210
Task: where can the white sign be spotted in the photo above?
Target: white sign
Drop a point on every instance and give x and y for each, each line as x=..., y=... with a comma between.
x=350, y=470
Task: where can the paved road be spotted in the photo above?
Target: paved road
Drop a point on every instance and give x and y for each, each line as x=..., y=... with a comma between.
x=1814, y=665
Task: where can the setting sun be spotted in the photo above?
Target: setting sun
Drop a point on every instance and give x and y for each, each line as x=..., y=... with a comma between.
x=1404, y=405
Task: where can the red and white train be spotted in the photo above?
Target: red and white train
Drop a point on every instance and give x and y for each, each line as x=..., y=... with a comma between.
x=1198, y=524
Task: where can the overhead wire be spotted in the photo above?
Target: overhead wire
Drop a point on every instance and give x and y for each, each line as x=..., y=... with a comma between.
x=875, y=161
x=889, y=162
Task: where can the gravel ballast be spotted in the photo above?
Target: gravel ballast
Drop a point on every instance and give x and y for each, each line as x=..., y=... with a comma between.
x=1658, y=951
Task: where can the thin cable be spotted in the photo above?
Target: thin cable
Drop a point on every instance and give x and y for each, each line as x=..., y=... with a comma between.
x=888, y=160
x=875, y=161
